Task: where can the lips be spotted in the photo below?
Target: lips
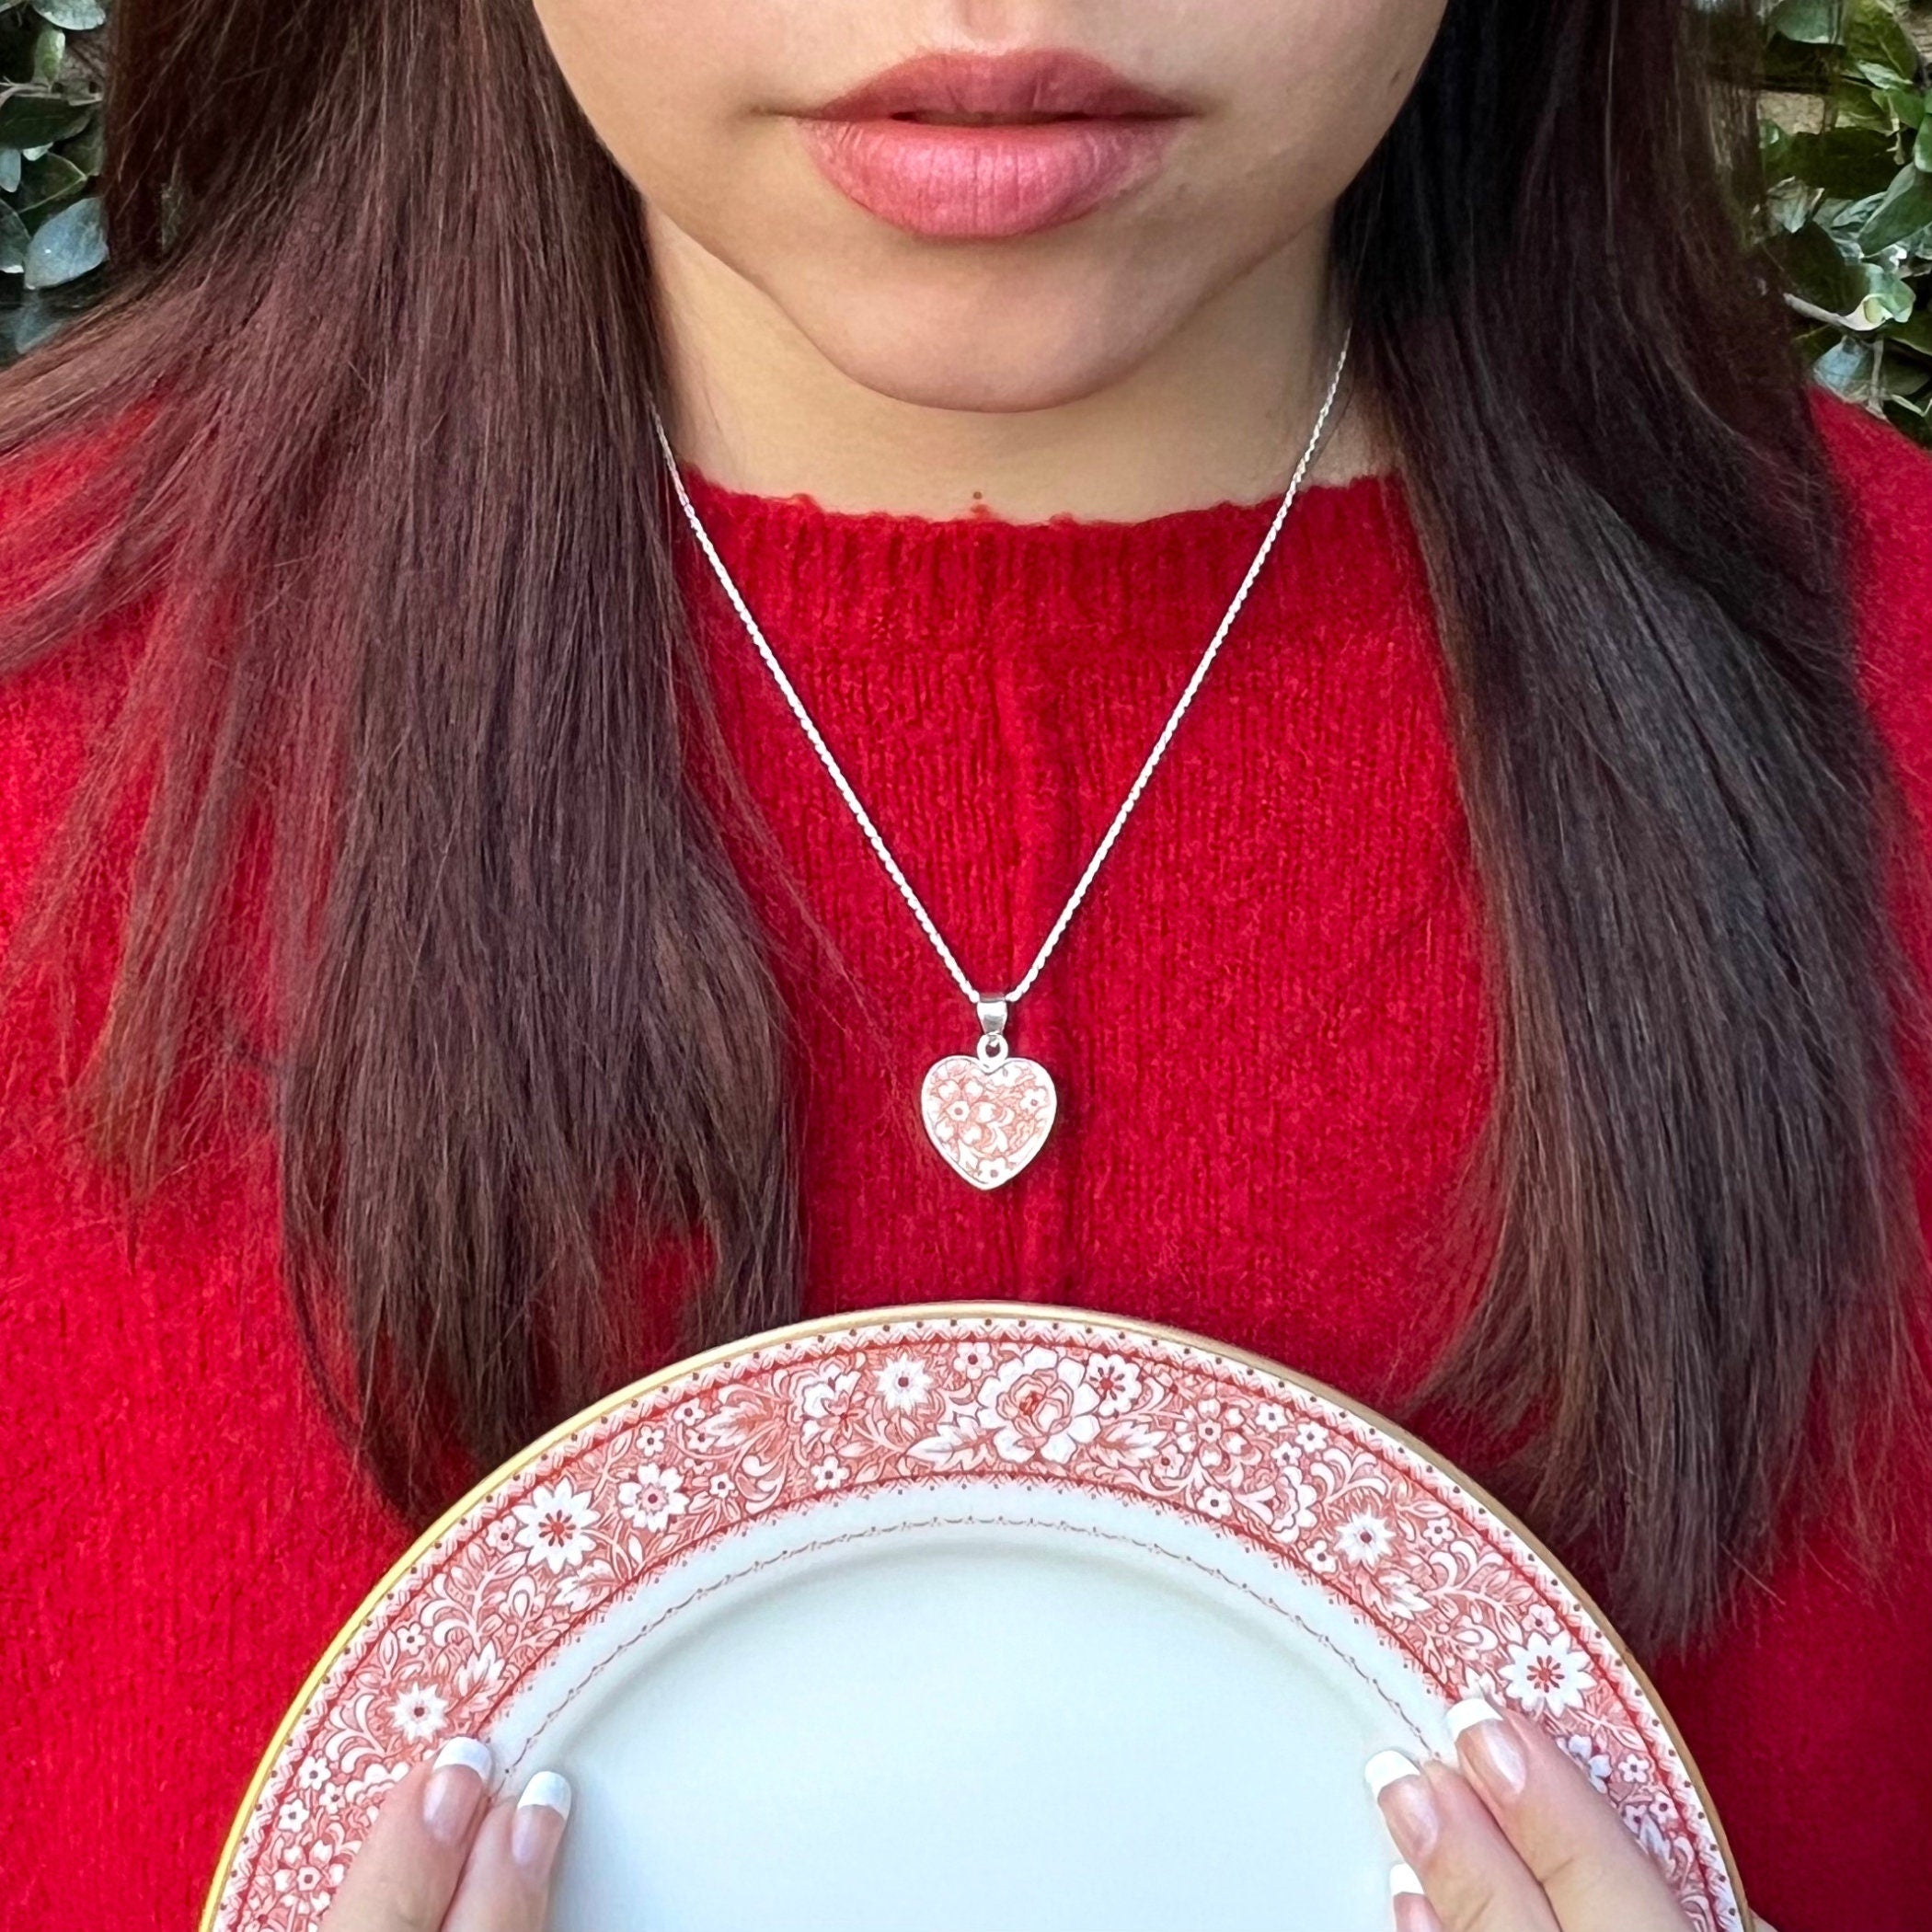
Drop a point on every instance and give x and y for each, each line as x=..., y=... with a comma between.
x=969, y=147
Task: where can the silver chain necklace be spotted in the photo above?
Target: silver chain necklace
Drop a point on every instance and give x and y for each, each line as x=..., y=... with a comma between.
x=989, y=1113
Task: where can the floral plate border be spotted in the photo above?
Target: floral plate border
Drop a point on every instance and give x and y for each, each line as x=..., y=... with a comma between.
x=1002, y=1396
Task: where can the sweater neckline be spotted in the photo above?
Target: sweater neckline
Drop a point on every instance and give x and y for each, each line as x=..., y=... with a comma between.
x=865, y=585
x=1372, y=491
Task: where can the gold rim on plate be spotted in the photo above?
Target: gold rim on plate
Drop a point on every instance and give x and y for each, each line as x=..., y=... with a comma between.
x=949, y=1311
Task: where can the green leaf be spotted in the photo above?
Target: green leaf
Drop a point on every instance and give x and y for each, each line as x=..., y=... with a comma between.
x=1903, y=378
x=1886, y=299
x=1855, y=104
x=84, y=149
x=51, y=179
x=29, y=117
x=1912, y=418
x=31, y=322
x=1879, y=47
x=1922, y=147
x=1788, y=206
x=1813, y=23
x=1845, y=368
x=49, y=49
x=1907, y=104
x=9, y=169
x=1846, y=162
x=1914, y=334
x=76, y=16
x=1907, y=208
x=13, y=239
x=67, y=246
x=1816, y=269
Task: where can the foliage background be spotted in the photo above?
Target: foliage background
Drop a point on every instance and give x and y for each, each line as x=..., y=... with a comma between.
x=1846, y=223
x=53, y=253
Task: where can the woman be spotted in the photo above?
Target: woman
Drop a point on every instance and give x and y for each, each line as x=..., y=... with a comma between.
x=425, y=907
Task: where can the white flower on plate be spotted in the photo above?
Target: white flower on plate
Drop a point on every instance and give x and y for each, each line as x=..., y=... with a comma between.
x=648, y=1444
x=1319, y=1557
x=1294, y=1500
x=420, y=1712
x=1546, y=1673
x=1270, y=1418
x=974, y=1360
x=293, y=1816
x=905, y=1384
x=309, y=1872
x=409, y=1640
x=502, y=1535
x=556, y=1526
x=1365, y=1538
x=1215, y=1502
x=1594, y=1762
x=1116, y=1381
x=826, y=1401
x=653, y=1497
x=722, y=1486
x=1311, y=1437
x=315, y=1772
x=1634, y=1768
x=829, y=1474
x=1439, y=1530
x=1040, y=1404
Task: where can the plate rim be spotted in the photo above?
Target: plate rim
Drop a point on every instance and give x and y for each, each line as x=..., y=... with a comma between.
x=1070, y=1315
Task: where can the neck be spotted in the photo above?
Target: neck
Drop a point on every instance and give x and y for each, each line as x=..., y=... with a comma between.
x=1219, y=413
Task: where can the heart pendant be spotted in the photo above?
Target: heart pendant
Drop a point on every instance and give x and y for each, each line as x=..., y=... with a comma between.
x=988, y=1121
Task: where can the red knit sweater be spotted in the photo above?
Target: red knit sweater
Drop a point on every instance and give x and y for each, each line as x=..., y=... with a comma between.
x=1269, y=1031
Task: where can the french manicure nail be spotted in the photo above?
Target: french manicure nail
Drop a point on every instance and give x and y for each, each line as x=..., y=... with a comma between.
x=457, y=1781
x=1385, y=1768
x=1406, y=1802
x=1490, y=1747
x=1403, y=1882
x=538, y=1825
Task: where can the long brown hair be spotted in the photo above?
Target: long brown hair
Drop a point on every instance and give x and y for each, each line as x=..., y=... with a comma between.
x=380, y=358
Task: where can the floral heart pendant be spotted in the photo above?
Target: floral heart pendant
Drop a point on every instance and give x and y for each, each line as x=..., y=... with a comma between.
x=988, y=1120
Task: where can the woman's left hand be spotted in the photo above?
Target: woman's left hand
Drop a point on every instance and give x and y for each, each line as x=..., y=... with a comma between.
x=1513, y=1838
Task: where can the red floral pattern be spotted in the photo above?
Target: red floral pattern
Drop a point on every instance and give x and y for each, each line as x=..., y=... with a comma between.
x=1001, y=1400
x=988, y=1121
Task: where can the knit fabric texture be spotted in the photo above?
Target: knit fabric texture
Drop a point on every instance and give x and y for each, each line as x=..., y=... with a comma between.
x=1270, y=1027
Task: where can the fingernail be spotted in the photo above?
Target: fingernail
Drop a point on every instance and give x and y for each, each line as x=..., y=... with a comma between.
x=1407, y=1803
x=458, y=1779
x=1413, y=1912
x=1403, y=1882
x=538, y=1825
x=1489, y=1747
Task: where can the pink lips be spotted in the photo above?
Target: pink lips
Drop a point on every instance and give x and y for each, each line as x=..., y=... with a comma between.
x=970, y=147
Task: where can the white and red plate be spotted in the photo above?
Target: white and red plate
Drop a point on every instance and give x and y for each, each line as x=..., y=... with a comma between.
x=962, y=1619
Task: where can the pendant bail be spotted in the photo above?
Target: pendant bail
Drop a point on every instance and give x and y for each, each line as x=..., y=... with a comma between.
x=992, y=1047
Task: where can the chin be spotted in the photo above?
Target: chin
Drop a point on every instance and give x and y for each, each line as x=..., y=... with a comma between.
x=985, y=335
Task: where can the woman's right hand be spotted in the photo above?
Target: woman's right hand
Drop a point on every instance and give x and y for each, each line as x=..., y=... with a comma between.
x=441, y=1857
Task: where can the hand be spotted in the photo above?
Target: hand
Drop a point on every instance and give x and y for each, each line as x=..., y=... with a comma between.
x=441, y=1857
x=1513, y=1838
